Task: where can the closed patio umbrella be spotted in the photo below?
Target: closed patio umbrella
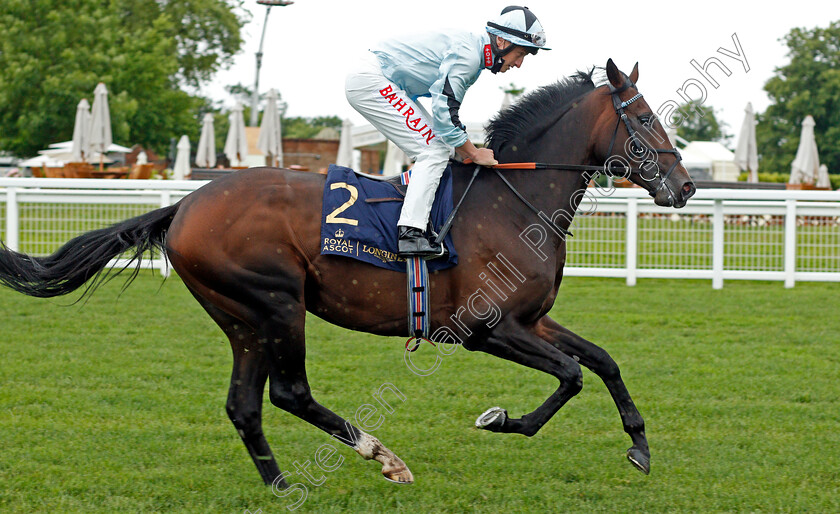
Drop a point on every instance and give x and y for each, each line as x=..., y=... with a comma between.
x=746, y=153
x=236, y=145
x=270, y=141
x=822, y=177
x=100, y=123
x=507, y=101
x=395, y=158
x=182, y=159
x=345, y=145
x=806, y=164
x=79, y=148
x=205, y=154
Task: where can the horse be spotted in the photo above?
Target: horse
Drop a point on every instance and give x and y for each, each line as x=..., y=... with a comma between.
x=247, y=247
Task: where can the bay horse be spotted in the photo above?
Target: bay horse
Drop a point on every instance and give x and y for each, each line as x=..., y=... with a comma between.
x=247, y=247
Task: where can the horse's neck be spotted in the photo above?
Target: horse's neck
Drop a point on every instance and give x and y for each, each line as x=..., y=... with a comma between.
x=556, y=192
x=568, y=141
x=553, y=194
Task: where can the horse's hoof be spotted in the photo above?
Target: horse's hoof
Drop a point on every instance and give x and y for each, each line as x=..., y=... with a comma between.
x=492, y=419
x=399, y=476
x=639, y=459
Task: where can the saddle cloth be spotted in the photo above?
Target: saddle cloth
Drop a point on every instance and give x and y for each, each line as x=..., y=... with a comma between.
x=359, y=218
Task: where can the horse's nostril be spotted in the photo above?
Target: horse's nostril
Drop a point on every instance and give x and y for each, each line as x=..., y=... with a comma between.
x=688, y=190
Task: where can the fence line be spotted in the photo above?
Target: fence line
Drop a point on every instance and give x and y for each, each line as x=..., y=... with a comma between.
x=42, y=214
x=722, y=234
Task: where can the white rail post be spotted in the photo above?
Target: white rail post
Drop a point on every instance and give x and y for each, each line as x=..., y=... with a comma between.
x=165, y=201
x=12, y=220
x=632, y=239
x=717, y=245
x=790, y=242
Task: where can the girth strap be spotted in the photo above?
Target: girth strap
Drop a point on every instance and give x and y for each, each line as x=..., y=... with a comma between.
x=418, y=297
x=417, y=281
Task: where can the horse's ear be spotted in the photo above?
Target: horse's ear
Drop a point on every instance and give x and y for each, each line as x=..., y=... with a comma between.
x=634, y=75
x=613, y=75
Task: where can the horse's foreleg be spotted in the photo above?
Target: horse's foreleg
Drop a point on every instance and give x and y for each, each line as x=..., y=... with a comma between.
x=600, y=362
x=289, y=390
x=519, y=344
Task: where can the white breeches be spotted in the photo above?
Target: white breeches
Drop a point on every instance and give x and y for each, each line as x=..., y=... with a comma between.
x=408, y=125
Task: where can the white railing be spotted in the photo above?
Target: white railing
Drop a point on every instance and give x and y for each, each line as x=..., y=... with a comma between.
x=722, y=234
x=41, y=213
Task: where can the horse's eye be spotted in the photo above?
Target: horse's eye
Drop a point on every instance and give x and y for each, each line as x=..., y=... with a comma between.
x=646, y=119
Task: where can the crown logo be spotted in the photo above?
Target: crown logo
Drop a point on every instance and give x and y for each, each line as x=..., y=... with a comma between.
x=339, y=233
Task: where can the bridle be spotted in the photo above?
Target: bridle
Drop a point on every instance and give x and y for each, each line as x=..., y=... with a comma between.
x=639, y=150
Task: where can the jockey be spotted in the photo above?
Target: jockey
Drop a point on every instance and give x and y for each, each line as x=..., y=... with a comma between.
x=442, y=65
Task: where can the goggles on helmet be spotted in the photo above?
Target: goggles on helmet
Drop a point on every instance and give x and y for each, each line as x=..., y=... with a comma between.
x=537, y=38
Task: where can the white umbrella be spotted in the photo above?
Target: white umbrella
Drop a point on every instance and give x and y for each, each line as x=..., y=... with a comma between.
x=182, y=159
x=806, y=164
x=822, y=177
x=345, y=145
x=66, y=155
x=746, y=153
x=100, y=123
x=81, y=128
x=68, y=147
x=41, y=160
x=395, y=158
x=205, y=154
x=236, y=146
x=507, y=101
x=271, y=140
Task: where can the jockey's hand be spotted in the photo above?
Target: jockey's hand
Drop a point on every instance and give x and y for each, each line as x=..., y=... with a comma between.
x=484, y=157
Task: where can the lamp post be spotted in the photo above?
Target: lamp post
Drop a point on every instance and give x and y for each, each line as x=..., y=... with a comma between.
x=255, y=97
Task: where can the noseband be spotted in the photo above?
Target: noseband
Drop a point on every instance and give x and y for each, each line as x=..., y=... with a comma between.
x=638, y=148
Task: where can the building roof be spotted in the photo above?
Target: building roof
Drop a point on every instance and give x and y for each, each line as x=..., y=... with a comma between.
x=708, y=151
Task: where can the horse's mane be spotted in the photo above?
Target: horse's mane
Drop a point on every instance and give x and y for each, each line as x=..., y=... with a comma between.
x=536, y=111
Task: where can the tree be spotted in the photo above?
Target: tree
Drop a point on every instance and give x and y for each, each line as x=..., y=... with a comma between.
x=206, y=32
x=513, y=90
x=305, y=128
x=694, y=126
x=808, y=84
x=52, y=54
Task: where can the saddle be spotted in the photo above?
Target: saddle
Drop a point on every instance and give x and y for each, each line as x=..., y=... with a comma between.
x=360, y=213
x=394, y=180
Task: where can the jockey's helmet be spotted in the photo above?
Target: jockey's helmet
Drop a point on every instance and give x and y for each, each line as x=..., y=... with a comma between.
x=519, y=26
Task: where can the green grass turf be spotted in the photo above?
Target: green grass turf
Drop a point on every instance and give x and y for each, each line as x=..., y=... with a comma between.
x=117, y=405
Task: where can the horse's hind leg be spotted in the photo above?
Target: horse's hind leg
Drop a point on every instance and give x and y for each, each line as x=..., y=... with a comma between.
x=245, y=395
x=600, y=362
x=289, y=390
x=244, y=407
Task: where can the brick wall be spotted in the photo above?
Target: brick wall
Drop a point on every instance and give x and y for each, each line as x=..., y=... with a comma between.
x=318, y=154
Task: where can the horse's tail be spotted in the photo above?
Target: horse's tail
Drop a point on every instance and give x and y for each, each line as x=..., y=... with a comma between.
x=84, y=257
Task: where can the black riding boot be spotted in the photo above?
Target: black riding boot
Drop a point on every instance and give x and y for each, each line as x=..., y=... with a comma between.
x=414, y=243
